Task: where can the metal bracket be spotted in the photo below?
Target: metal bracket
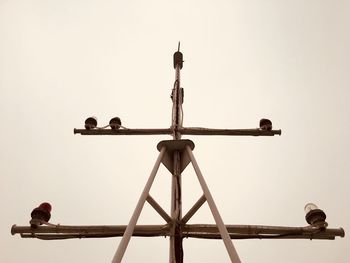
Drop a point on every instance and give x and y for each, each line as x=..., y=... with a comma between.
x=175, y=145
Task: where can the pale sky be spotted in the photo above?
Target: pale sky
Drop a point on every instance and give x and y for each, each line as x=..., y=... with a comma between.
x=62, y=61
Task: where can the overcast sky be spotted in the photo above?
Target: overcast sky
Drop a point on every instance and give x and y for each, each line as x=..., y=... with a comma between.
x=62, y=61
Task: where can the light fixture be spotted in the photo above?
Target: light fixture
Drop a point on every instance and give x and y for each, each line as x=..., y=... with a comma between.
x=178, y=59
x=115, y=123
x=90, y=123
x=40, y=214
x=265, y=125
x=315, y=216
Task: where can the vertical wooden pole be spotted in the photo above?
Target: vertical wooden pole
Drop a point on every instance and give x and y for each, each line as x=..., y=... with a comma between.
x=176, y=249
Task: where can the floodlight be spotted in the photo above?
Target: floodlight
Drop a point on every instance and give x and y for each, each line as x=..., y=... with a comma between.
x=90, y=123
x=265, y=125
x=315, y=216
x=40, y=214
x=115, y=123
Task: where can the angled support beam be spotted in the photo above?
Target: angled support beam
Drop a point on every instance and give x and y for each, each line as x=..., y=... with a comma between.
x=214, y=210
x=194, y=209
x=159, y=209
x=132, y=223
x=171, y=147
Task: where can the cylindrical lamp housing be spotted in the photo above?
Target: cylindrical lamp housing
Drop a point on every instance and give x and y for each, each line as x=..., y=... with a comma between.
x=40, y=214
x=115, y=123
x=265, y=125
x=314, y=215
x=178, y=59
x=90, y=123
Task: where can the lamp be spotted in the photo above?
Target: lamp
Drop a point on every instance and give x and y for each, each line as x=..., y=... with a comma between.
x=315, y=216
x=265, y=125
x=90, y=123
x=40, y=214
x=115, y=123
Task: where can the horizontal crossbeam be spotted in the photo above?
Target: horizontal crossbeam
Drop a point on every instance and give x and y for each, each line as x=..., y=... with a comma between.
x=229, y=132
x=205, y=231
x=184, y=131
x=123, y=131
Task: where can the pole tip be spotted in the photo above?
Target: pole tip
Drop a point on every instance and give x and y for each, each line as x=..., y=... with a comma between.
x=13, y=232
x=178, y=57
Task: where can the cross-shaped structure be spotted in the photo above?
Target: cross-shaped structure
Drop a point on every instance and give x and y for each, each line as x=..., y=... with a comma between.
x=176, y=155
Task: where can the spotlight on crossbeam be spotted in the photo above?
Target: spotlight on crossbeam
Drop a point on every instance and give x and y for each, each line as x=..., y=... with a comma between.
x=91, y=123
x=265, y=125
x=115, y=123
x=40, y=214
x=315, y=216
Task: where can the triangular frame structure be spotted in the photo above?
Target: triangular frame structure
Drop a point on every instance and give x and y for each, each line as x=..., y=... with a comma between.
x=168, y=149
